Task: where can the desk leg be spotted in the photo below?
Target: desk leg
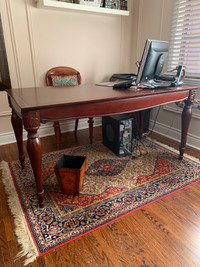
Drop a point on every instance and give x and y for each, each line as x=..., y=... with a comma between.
x=34, y=148
x=91, y=121
x=17, y=127
x=186, y=118
x=141, y=122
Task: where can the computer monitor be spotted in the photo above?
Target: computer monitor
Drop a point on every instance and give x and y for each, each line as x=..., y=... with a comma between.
x=153, y=58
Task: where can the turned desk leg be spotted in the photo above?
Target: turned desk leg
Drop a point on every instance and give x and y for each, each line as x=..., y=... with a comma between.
x=57, y=131
x=91, y=122
x=34, y=148
x=141, y=122
x=17, y=127
x=185, y=120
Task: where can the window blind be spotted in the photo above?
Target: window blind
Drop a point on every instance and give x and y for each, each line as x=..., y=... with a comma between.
x=184, y=46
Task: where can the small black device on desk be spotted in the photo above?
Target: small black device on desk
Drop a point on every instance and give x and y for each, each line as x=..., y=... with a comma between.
x=126, y=78
x=122, y=85
x=123, y=76
x=121, y=80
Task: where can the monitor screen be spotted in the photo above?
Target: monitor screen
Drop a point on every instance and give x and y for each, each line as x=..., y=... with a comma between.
x=153, y=58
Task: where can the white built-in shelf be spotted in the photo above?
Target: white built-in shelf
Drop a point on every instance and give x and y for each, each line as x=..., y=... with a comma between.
x=53, y=4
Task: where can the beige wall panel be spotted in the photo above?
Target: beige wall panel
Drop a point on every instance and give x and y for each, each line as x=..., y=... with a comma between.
x=127, y=37
x=21, y=42
x=150, y=26
x=135, y=31
x=4, y=102
x=89, y=43
x=7, y=127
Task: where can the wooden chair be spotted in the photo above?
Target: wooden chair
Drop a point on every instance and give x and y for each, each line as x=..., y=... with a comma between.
x=65, y=76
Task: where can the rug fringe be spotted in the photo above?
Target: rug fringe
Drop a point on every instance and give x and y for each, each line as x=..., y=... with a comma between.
x=21, y=230
x=173, y=150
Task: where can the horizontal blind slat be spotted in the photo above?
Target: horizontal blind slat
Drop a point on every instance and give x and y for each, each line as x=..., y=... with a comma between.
x=184, y=26
x=184, y=46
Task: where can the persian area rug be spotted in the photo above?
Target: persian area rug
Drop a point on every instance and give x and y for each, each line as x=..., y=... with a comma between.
x=113, y=187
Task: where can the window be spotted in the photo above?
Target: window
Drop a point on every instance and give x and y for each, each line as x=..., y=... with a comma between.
x=185, y=37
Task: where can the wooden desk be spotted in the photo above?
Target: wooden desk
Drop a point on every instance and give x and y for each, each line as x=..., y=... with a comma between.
x=32, y=106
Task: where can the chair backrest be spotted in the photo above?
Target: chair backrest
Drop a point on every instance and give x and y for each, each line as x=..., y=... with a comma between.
x=62, y=76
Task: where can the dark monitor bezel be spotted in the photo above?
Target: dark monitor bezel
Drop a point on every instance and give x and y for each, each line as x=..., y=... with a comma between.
x=160, y=48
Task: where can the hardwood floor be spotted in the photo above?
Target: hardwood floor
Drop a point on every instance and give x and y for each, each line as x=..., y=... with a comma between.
x=165, y=233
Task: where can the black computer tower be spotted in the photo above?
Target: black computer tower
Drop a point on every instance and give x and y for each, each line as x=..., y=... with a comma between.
x=118, y=134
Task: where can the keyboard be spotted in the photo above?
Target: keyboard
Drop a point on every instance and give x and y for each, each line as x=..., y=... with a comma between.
x=111, y=84
x=151, y=84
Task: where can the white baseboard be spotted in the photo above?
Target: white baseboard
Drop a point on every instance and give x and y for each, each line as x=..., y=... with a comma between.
x=47, y=129
x=175, y=134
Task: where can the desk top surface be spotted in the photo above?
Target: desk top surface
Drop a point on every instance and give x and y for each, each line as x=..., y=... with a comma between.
x=41, y=97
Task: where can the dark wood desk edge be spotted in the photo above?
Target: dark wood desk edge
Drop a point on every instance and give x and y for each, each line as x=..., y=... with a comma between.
x=145, y=93
x=111, y=107
x=31, y=121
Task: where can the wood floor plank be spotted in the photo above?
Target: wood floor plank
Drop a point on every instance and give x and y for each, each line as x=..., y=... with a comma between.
x=146, y=238
x=6, y=213
x=13, y=252
x=127, y=251
x=47, y=260
x=151, y=238
x=178, y=237
x=79, y=253
x=60, y=259
x=1, y=257
x=102, y=252
x=4, y=245
x=183, y=226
